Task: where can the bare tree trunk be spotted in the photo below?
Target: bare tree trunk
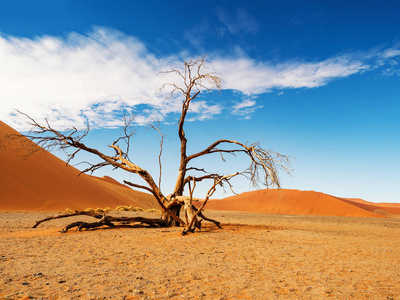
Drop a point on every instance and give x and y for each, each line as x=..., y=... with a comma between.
x=178, y=191
x=190, y=215
x=262, y=162
x=179, y=186
x=180, y=180
x=176, y=209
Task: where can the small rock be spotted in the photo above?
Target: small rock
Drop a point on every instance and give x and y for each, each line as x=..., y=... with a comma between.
x=61, y=281
x=25, y=283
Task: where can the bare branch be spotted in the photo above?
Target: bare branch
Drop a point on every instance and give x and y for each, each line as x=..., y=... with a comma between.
x=263, y=164
x=266, y=161
x=48, y=136
x=193, y=83
x=210, y=193
x=161, y=140
x=94, y=167
x=196, y=169
x=139, y=186
x=76, y=213
x=128, y=132
x=198, y=179
x=200, y=214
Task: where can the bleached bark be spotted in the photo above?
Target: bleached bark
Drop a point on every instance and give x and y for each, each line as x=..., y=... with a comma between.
x=263, y=164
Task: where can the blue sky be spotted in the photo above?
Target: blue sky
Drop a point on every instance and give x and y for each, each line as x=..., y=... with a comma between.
x=316, y=80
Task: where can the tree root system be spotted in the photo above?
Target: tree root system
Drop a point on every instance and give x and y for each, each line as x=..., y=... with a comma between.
x=112, y=221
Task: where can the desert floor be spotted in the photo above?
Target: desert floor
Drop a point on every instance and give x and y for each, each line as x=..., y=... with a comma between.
x=255, y=256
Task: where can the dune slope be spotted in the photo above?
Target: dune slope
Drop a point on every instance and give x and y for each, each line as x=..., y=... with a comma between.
x=43, y=182
x=295, y=202
x=385, y=209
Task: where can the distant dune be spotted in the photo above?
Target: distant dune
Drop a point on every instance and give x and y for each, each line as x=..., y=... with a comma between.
x=43, y=182
x=295, y=202
x=384, y=209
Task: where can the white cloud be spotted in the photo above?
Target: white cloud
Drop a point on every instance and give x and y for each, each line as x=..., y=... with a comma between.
x=204, y=111
x=391, y=53
x=251, y=77
x=245, y=108
x=104, y=71
x=101, y=75
x=245, y=104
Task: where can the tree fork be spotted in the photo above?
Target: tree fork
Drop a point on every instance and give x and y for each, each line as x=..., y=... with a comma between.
x=262, y=162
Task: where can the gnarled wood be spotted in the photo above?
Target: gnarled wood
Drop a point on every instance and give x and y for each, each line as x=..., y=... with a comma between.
x=104, y=220
x=263, y=164
x=201, y=215
x=76, y=213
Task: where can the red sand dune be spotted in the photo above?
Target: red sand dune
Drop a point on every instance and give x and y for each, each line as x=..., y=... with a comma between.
x=295, y=202
x=43, y=182
x=380, y=204
x=385, y=209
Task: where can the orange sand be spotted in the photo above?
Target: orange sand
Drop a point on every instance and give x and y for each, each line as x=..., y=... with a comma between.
x=43, y=182
x=254, y=256
x=295, y=202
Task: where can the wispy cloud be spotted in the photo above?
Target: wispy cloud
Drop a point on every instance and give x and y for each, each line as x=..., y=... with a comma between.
x=204, y=111
x=105, y=73
x=242, y=23
x=245, y=108
x=196, y=35
x=252, y=77
x=67, y=80
x=389, y=59
x=391, y=52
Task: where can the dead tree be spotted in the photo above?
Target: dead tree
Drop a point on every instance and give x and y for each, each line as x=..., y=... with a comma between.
x=263, y=164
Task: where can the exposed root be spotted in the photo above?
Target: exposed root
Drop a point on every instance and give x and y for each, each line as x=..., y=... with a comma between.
x=111, y=221
x=72, y=225
x=200, y=214
x=76, y=213
x=104, y=220
x=85, y=225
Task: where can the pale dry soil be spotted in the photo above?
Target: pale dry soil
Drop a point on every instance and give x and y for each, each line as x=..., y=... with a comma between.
x=255, y=256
